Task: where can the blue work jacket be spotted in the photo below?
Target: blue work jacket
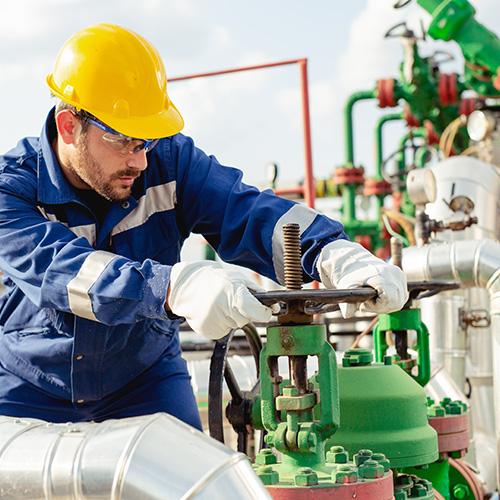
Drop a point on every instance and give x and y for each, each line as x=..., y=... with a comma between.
x=83, y=313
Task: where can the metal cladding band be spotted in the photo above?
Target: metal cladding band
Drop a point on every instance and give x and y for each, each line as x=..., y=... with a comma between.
x=151, y=457
x=473, y=264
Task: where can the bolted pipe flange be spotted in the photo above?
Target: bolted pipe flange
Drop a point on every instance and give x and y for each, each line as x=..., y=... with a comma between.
x=385, y=93
x=450, y=419
x=377, y=187
x=349, y=175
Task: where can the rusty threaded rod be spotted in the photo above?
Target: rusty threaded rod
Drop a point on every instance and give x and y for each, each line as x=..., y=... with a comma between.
x=292, y=255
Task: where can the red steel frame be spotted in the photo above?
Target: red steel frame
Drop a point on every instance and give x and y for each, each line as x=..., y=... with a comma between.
x=308, y=190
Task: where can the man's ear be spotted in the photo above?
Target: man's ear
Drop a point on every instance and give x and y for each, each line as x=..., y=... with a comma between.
x=67, y=126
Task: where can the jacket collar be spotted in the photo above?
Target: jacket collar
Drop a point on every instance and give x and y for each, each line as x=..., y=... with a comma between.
x=53, y=188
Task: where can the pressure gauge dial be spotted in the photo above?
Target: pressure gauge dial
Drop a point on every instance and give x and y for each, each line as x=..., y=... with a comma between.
x=421, y=186
x=480, y=125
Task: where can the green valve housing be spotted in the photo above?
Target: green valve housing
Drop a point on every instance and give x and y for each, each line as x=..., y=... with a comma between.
x=384, y=409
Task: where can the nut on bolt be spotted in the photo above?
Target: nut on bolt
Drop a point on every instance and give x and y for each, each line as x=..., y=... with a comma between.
x=371, y=469
x=420, y=488
x=382, y=460
x=266, y=457
x=455, y=408
x=461, y=491
x=267, y=475
x=436, y=411
x=361, y=456
x=345, y=474
x=337, y=455
x=306, y=477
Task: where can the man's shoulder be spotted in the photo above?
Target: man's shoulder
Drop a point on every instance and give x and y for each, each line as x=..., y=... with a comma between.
x=19, y=165
x=23, y=155
x=169, y=146
x=169, y=155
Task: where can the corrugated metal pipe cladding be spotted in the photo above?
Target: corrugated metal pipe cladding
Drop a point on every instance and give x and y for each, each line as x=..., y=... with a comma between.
x=151, y=457
x=473, y=264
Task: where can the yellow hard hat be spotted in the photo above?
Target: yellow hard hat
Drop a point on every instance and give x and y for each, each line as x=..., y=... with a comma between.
x=119, y=77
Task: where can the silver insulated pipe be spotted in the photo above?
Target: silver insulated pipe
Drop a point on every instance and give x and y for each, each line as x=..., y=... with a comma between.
x=473, y=264
x=150, y=457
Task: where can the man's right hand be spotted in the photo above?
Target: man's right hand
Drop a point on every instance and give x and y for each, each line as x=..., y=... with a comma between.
x=214, y=300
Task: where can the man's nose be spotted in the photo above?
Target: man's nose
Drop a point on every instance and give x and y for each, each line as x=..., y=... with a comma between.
x=138, y=160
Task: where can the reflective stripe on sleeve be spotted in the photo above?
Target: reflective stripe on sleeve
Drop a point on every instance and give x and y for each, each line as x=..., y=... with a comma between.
x=157, y=199
x=78, y=288
x=87, y=231
x=301, y=215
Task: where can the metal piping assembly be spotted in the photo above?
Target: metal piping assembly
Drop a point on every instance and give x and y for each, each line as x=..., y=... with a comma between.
x=472, y=264
x=150, y=457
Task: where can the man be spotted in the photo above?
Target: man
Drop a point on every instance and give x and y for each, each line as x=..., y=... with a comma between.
x=93, y=215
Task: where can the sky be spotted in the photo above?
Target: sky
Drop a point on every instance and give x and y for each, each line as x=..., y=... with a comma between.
x=248, y=119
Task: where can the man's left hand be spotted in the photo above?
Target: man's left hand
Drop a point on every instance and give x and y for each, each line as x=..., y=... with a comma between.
x=345, y=264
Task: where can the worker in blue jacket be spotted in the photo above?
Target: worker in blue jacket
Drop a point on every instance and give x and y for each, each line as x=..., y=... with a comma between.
x=93, y=214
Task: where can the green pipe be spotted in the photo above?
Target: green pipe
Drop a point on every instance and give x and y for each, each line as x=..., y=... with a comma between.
x=401, y=157
x=348, y=203
x=379, y=160
x=349, y=191
x=379, y=140
x=422, y=156
x=349, y=133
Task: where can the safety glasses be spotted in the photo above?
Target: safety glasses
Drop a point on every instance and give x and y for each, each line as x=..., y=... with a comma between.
x=119, y=142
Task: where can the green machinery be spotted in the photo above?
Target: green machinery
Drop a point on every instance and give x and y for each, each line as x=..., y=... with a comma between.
x=454, y=20
x=381, y=445
x=431, y=100
x=363, y=429
x=300, y=411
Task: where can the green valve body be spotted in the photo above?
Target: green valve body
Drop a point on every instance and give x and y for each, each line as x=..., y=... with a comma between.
x=300, y=415
x=405, y=320
x=384, y=409
x=288, y=416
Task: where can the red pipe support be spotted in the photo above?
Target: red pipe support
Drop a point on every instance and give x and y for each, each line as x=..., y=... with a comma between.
x=309, y=189
x=299, y=190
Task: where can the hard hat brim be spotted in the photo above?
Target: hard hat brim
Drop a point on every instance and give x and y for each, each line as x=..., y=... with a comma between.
x=164, y=124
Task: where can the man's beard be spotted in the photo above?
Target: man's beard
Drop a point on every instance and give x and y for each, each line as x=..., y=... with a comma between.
x=90, y=171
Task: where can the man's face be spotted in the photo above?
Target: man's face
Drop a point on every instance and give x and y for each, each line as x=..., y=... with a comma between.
x=104, y=169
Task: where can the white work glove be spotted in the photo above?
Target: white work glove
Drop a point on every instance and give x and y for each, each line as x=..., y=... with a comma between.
x=345, y=264
x=214, y=300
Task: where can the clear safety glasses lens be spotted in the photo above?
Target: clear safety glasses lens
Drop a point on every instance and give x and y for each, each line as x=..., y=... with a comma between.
x=122, y=143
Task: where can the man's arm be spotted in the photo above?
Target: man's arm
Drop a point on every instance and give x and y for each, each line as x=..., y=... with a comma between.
x=57, y=269
x=243, y=224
